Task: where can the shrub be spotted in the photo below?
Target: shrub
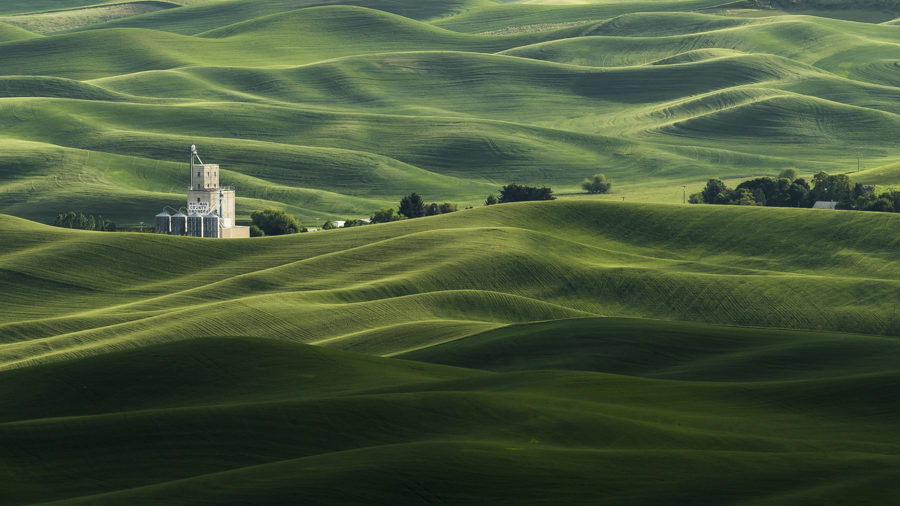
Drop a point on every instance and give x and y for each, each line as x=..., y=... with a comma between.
x=491, y=200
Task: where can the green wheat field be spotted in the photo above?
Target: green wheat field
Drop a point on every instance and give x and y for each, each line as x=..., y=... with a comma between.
x=617, y=349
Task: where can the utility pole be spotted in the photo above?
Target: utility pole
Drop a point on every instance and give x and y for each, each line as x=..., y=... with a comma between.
x=857, y=158
x=684, y=196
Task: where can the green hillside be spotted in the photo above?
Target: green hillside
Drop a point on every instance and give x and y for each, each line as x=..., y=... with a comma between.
x=617, y=349
x=332, y=111
x=248, y=421
x=388, y=289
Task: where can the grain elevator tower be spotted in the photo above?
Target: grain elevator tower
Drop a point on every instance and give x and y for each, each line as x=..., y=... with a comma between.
x=210, y=206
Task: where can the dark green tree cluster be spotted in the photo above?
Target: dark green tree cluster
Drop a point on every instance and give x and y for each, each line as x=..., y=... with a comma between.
x=865, y=199
x=784, y=192
x=82, y=222
x=519, y=193
x=273, y=222
x=597, y=184
x=763, y=191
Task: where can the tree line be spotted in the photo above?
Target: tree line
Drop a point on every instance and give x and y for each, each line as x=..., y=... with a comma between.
x=82, y=222
x=790, y=190
x=520, y=193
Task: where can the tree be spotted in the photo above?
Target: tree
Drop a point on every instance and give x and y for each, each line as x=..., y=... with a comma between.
x=432, y=209
x=256, y=231
x=274, y=222
x=518, y=193
x=412, y=206
x=448, y=207
x=714, y=187
x=759, y=196
x=384, y=215
x=329, y=225
x=791, y=174
x=881, y=204
x=80, y=222
x=597, y=184
x=491, y=200
x=798, y=194
x=837, y=187
x=743, y=197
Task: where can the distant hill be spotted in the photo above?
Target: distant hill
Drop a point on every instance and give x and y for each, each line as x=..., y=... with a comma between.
x=334, y=111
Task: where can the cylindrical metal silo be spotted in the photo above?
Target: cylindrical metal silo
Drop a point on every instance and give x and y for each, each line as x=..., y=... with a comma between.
x=179, y=224
x=195, y=225
x=163, y=223
x=211, y=225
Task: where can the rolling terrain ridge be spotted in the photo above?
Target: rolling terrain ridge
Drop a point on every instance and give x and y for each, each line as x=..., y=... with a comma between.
x=332, y=111
x=383, y=290
x=590, y=350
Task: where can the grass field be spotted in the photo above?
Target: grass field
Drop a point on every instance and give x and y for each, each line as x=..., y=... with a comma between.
x=126, y=385
x=615, y=349
x=392, y=288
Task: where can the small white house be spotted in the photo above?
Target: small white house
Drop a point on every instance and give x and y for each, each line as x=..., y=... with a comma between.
x=338, y=224
x=823, y=204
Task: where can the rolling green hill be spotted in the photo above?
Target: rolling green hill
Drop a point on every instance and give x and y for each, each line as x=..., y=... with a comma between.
x=588, y=350
x=238, y=421
x=392, y=288
x=332, y=111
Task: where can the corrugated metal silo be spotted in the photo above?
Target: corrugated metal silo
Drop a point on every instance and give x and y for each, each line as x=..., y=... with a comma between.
x=179, y=224
x=163, y=223
x=211, y=225
x=195, y=225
